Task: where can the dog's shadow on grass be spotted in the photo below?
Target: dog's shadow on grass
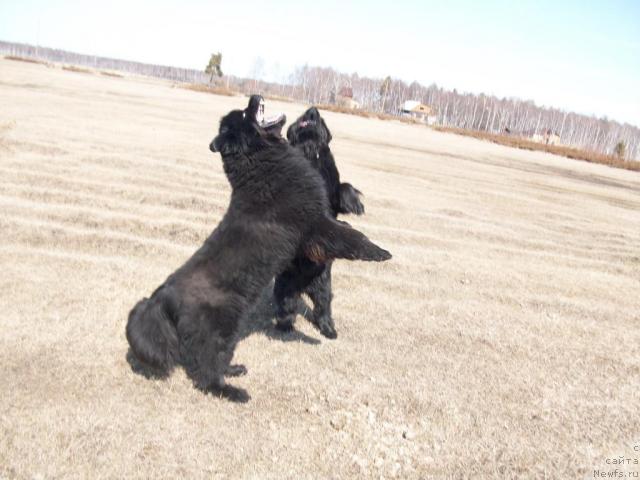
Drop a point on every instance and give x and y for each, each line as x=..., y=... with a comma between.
x=261, y=319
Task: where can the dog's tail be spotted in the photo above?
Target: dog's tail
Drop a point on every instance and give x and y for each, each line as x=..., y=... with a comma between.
x=336, y=239
x=350, y=199
x=152, y=336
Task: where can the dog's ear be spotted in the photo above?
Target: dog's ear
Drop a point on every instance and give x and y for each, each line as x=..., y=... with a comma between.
x=334, y=239
x=327, y=133
x=234, y=134
x=229, y=143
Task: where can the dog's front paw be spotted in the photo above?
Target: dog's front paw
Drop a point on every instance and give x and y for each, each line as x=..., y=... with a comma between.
x=327, y=328
x=236, y=370
x=358, y=207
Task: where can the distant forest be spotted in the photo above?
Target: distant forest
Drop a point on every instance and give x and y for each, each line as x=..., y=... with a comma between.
x=316, y=85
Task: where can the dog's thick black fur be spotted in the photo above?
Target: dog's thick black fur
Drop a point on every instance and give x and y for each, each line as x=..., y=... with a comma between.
x=310, y=134
x=278, y=211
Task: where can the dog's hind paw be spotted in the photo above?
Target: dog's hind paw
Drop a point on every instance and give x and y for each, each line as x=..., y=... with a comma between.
x=234, y=394
x=326, y=328
x=236, y=370
x=329, y=332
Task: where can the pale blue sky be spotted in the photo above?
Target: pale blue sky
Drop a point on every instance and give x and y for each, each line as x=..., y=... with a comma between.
x=577, y=55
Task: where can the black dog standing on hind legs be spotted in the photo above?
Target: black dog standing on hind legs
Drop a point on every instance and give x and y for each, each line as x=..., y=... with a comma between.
x=278, y=211
x=310, y=134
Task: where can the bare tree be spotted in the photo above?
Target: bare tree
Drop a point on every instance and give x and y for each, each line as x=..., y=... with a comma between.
x=384, y=90
x=257, y=71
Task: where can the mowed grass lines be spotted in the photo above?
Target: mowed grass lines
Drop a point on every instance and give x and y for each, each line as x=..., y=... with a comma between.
x=501, y=341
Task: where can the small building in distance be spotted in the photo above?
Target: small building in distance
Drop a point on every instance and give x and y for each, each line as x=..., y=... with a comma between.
x=344, y=98
x=548, y=137
x=551, y=138
x=419, y=111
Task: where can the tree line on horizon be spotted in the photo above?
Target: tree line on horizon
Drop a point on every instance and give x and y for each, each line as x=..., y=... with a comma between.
x=320, y=85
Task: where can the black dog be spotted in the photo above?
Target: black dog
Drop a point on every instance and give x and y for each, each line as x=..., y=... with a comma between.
x=310, y=134
x=278, y=211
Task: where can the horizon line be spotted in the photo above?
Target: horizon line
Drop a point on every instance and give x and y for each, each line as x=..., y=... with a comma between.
x=451, y=90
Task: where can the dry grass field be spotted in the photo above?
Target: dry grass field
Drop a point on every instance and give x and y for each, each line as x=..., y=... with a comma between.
x=502, y=340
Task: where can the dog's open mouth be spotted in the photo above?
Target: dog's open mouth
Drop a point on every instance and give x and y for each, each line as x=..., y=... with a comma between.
x=269, y=122
x=274, y=124
x=307, y=123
